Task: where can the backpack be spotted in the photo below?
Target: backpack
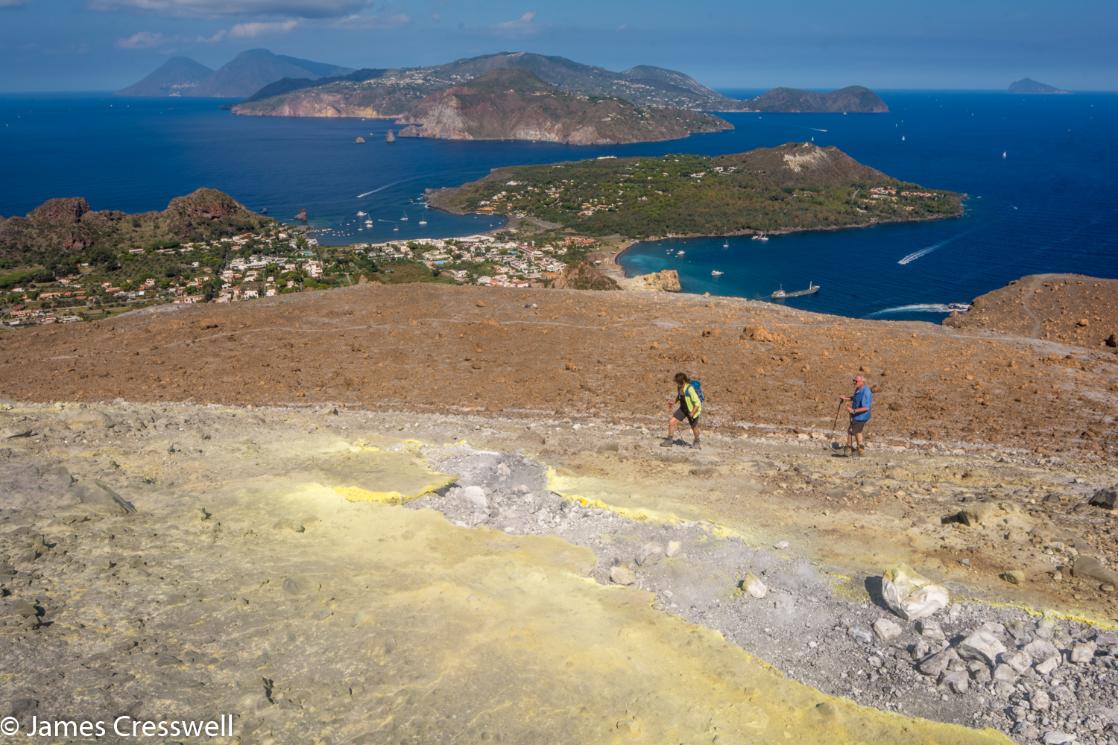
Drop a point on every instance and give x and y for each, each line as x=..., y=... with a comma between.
x=698, y=386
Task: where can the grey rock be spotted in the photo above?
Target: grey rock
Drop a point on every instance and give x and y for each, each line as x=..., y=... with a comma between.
x=753, y=585
x=1083, y=652
x=886, y=630
x=981, y=645
x=1046, y=666
x=1005, y=674
x=475, y=496
x=957, y=681
x=1020, y=661
x=1088, y=567
x=1054, y=737
x=673, y=549
x=1040, y=701
x=860, y=634
x=619, y=574
x=930, y=630
x=1105, y=498
x=650, y=553
x=1041, y=649
x=934, y=665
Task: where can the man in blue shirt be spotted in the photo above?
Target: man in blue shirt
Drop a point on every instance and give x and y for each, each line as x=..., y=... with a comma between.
x=859, y=409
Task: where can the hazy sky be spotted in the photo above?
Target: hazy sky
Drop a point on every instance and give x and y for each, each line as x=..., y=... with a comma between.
x=106, y=44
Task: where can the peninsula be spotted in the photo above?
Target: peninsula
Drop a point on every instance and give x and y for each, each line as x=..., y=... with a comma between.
x=793, y=187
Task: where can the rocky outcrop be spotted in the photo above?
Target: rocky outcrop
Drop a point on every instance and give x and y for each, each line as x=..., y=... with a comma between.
x=1067, y=308
x=666, y=280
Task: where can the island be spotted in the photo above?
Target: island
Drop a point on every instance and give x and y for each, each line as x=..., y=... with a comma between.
x=1033, y=87
x=854, y=99
x=793, y=187
x=516, y=105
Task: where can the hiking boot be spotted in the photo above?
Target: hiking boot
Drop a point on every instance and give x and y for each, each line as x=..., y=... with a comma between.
x=696, y=445
x=858, y=452
x=667, y=442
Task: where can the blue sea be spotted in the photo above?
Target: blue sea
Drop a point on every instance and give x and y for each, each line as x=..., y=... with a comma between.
x=1041, y=173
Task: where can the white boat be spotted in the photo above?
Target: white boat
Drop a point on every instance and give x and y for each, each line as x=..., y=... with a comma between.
x=716, y=273
x=760, y=237
x=360, y=213
x=725, y=244
x=422, y=222
x=1005, y=154
x=958, y=307
x=368, y=223
x=404, y=217
x=680, y=253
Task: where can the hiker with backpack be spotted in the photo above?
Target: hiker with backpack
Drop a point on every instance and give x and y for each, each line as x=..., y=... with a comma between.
x=861, y=401
x=686, y=406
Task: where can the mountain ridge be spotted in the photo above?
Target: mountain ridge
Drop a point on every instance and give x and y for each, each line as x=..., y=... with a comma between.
x=242, y=76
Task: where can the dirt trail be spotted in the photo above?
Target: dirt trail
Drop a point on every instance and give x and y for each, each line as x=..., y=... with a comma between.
x=600, y=355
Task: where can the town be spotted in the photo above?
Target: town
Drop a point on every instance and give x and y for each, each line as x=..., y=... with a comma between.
x=277, y=261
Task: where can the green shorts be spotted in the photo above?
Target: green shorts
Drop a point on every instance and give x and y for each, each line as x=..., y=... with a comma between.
x=856, y=427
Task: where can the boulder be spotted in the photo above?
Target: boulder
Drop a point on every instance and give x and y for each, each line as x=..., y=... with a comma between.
x=619, y=574
x=1105, y=498
x=1020, y=661
x=1045, y=667
x=981, y=645
x=910, y=595
x=650, y=553
x=1088, y=567
x=753, y=585
x=934, y=665
x=957, y=681
x=1058, y=738
x=886, y=630
x=1083, y=652
x=674, y=547
x=476, y=496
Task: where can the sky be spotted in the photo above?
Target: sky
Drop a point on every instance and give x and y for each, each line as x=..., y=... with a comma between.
x=78, y=45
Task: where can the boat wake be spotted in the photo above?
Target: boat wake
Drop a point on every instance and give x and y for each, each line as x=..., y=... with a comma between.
x=929, y=249
x=917, y=308
x=386, y=186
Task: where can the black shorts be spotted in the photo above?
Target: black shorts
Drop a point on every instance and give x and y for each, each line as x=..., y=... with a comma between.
x=856, y=427
x=681, y=416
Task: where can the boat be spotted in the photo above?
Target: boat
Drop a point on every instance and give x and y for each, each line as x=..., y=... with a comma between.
x=716, y=273
x=725, y=244
x=404, y=217
x=680, y=253
x=390, y=136
x=760, y=237
x=780, y=294
x=958, y=307
x=360, y=213
x=1005, y=154
x=422, y=222
x=368, y=223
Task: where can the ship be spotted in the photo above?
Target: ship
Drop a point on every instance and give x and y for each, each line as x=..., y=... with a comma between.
x=716, y=273
x=780, y=294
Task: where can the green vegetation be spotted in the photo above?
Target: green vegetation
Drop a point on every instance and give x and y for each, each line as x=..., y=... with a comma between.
x=791, y=187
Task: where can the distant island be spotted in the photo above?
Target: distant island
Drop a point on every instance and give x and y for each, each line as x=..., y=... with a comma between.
x=243, y=76
x=1030, y=86
x=793, y=187
x=854, y=99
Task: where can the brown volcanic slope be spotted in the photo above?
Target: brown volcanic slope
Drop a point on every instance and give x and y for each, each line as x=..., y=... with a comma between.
x=1068, y=308
x=581, y=353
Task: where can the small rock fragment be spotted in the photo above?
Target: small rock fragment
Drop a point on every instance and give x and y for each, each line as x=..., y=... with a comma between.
x=886, y=630
x=753, y=585
x=619, y=574
x=981, y=645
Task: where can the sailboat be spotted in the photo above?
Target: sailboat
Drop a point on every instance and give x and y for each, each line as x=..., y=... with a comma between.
x=725, y=244
x=404, y=217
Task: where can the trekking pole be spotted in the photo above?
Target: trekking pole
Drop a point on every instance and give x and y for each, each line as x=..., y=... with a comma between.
x=837, y=412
